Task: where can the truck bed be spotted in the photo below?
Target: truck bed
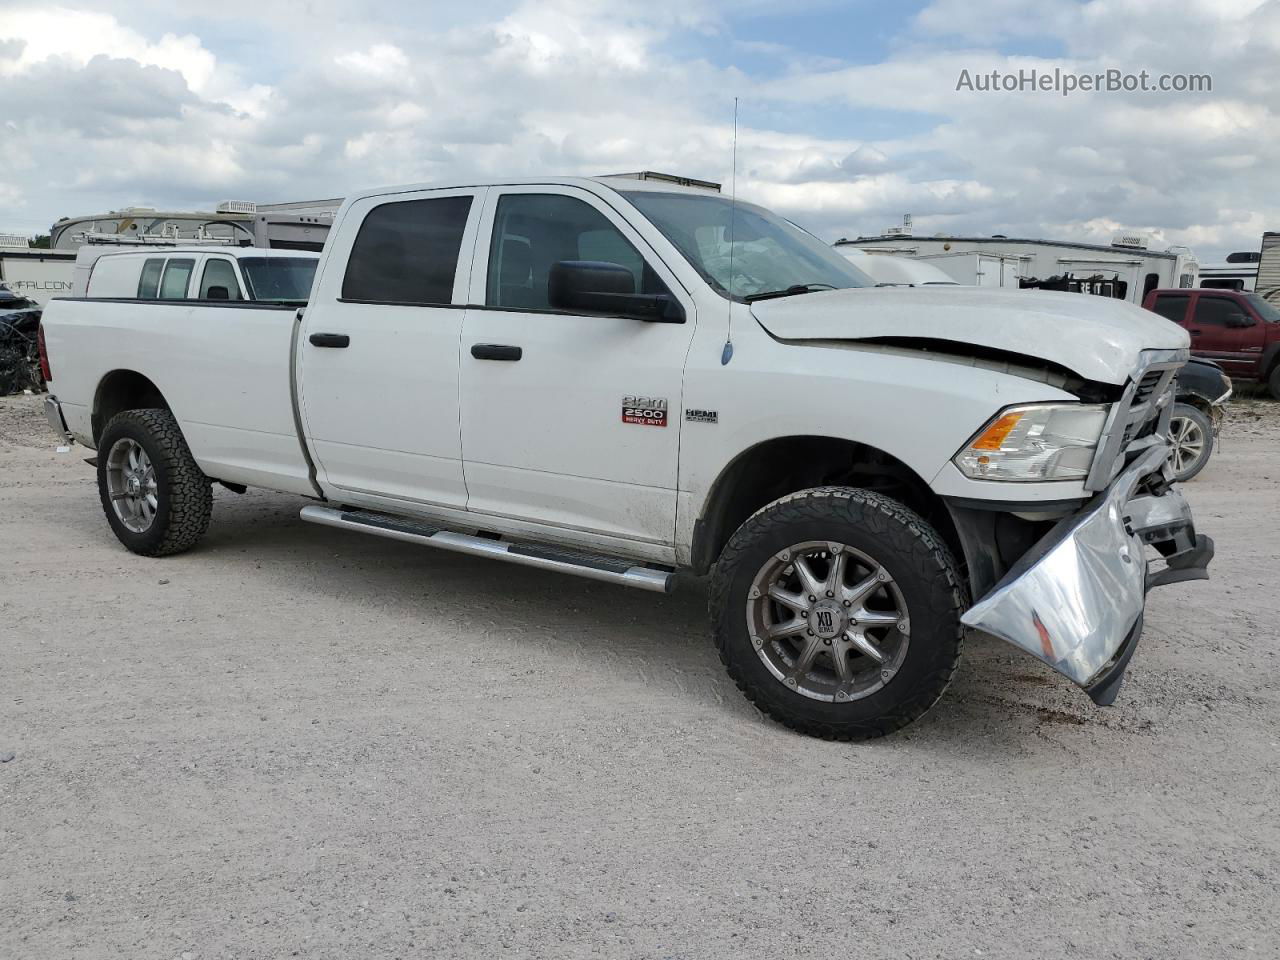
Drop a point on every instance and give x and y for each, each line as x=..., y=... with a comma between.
x=225, y=368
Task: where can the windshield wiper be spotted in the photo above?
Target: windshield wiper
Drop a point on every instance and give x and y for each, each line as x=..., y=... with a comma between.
x=791, y=291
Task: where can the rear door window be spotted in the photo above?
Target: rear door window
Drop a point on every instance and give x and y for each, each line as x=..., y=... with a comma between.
x=219, y=273
x=149, y=280
x=407, y=252
x=177, y=277
x=1172, y=306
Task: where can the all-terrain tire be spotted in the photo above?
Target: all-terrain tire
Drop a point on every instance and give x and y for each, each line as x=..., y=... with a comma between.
x=184, y=494
x=906, y=546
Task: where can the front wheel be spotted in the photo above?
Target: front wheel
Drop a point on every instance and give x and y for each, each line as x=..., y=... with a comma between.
x=836, y=611
x=1191, y=439
x=156, y=498
x=1273, y=382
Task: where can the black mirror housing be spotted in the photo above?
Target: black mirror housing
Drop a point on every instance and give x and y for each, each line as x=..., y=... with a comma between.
x=594, y=286
x=217, y=293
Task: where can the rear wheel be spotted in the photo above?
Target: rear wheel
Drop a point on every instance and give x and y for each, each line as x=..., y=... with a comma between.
x=156, y=498
x=836, y=611
x=1191, y=437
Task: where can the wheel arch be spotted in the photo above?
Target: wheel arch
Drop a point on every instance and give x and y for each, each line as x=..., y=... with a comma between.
x=1269, y=361
x=120, y=390
x=778, y=466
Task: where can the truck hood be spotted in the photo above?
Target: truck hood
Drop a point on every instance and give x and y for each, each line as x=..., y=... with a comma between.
x=1094, y=337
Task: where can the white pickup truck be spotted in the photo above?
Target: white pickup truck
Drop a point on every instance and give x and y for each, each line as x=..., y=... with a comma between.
x=622, y=378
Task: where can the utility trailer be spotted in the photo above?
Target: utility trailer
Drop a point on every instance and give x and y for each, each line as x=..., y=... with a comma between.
x=1125, y=269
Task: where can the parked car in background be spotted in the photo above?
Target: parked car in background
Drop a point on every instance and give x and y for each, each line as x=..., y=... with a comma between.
x=1202, y=391
x=194, y=273
x=1238, y=330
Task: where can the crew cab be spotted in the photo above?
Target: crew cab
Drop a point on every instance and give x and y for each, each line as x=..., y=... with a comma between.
x=622, y=379
x=1238, y=330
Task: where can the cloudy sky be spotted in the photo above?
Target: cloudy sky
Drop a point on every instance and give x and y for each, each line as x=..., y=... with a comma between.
x=849, y=117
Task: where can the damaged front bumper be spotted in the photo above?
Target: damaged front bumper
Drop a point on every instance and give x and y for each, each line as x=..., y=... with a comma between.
x=1075, y=600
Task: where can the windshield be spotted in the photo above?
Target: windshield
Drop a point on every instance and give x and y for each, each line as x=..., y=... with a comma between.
x=769, y=254
x=1266, y=310
x=279, y=278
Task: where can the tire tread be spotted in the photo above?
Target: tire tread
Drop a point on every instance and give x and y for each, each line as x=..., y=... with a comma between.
x=190, y=492
x=881, y=516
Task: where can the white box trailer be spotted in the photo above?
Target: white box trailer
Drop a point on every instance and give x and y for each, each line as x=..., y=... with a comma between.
x=37, y=274
x=1124, y=269
x=978, y=269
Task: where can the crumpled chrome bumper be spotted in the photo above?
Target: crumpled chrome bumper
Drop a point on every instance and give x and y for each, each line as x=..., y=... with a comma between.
x=1075, y=600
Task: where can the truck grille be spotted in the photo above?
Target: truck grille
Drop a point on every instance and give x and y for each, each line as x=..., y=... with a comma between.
x=1136, y=420
x=1147, y=386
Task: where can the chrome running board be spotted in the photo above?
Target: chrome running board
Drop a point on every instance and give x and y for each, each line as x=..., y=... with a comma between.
x=607, y=569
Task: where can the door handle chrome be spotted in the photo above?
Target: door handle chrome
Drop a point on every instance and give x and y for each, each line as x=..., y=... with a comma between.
x=496, y=351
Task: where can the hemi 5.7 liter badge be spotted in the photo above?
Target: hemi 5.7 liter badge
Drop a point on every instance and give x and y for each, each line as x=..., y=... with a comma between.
x=645, y=411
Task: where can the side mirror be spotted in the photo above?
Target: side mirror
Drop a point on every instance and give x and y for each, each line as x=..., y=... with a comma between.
x=217, y=293
x=593, y=286
x=1240, y=320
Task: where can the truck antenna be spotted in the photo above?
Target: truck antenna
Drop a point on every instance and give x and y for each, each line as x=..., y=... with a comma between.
x=727, y=353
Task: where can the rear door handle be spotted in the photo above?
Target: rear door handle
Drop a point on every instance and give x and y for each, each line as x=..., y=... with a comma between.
x=1194, y=332
x=496, y=351
x=330, y=340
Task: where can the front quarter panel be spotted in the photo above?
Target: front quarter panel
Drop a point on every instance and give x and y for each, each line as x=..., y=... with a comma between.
x=919, y=409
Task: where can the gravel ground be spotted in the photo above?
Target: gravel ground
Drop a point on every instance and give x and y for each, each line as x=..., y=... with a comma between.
x=297, y=742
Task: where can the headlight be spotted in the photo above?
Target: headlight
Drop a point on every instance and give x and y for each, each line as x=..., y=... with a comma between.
x=1038, y=441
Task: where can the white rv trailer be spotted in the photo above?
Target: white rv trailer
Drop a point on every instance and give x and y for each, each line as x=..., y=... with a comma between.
x=1124, y=269
x=284, y=226
x=32, y=272
x=1239, y=272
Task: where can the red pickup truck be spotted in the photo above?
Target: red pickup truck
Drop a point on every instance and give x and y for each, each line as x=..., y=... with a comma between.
x=1239, y=331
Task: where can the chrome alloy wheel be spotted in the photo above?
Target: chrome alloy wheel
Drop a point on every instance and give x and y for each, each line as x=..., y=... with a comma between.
x=1188, y=441
x=131, y=483
x=828, y=621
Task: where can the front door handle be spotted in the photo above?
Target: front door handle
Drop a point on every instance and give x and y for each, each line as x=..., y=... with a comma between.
x=496, y=351
x=330, y=340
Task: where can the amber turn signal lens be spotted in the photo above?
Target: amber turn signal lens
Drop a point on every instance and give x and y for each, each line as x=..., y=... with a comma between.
x=994, y=436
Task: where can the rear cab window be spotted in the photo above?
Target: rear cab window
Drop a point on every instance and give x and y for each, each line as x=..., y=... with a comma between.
x=1172, y=306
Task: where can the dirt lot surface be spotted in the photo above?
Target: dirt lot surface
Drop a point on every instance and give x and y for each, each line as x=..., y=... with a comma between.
x=293, y=741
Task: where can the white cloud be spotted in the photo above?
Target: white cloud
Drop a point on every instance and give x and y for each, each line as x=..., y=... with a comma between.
x=137, y=103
